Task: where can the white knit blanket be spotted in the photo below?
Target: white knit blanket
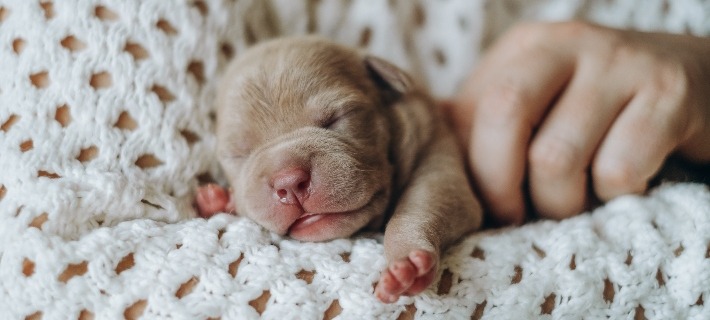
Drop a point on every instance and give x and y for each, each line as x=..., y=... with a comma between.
x=106, y=128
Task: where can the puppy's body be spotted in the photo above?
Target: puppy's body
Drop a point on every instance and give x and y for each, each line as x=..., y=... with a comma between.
x=319, y=141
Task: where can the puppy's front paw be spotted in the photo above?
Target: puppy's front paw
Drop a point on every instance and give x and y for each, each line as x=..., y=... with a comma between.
x=407, y=276
x=211, y=199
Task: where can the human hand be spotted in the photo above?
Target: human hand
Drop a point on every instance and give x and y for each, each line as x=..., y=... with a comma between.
x=574, y=111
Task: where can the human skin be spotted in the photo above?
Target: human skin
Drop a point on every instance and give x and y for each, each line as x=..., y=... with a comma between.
x=568, y=112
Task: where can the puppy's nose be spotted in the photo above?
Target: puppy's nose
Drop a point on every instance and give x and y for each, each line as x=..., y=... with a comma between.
x=291, y=185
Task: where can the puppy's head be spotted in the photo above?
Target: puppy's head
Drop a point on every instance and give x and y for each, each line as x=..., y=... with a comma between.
x=303, y=136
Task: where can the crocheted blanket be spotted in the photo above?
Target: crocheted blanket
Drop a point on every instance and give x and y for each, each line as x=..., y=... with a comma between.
x=106, y=128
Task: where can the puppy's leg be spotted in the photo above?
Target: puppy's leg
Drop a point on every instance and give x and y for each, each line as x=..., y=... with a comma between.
x=211, y=199
x=436, y=209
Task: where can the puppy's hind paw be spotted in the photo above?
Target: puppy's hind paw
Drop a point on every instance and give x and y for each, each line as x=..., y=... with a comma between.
x=407, y=276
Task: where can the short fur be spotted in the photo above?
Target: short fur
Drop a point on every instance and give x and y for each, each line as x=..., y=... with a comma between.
x=364, y=145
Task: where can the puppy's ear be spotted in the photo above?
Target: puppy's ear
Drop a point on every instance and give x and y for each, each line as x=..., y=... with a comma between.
x=392, y=81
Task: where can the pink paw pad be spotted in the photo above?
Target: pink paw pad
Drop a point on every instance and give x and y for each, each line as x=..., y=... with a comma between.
x=407, y=276
x=211, y=199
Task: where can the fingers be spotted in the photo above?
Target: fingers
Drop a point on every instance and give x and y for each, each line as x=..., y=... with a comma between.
x=512, y=94
x=562, y=149
x=636, y=146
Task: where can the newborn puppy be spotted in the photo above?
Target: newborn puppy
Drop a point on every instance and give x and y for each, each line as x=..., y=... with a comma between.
x=319, y=141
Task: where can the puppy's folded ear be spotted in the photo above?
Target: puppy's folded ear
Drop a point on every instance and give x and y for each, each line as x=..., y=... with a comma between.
x=392, y=81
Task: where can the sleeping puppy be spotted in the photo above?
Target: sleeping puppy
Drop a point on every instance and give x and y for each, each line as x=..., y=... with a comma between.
x=319, y=141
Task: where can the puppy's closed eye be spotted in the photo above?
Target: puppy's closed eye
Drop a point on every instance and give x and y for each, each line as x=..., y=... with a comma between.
x=332, y=121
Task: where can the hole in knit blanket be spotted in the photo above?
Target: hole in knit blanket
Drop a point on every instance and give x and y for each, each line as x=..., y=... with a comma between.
x=573, y=263
x=190, y=137
x=639, y=313
x=201, y=6
x=259, y=304
x=629, y=258
x=608, y=292
x=104, y=13
x=148, y=161
x=135, y=310
x=136, y=50
x=9, y=122
x=88, y=154
x=72, y=44
x=26, y=145
x=548, y=305
x=86, y=315
x=478, y=312
x=439, y=57
x=478, y=253
x=40, y=79
x=101, y=80
x=166, y=27
x=408, y=313
x=463, y=23
x=518, y=276
x=365, y=36
x=28, y=267
x=445, y=282
x=700, y=301
x=163, y=94
x=205, y=178
x=187, y=287
x=126, y=263
x=539, y=252
x=18, y=45
x=39, y=220
x=156, y=206
x=3, y=190
x=234, y=266
x=73, y=270
x=220, y=233
x=419, y=15
x=679, y=250
x=306, y=276
x=345, y=256
x=63, y=115
x=333, y=310
x=659, y=278
x=35, y=316
x=196, y=68
x=227, y=50
x=48, y=8
x=3, y=14
x=47, y=174
x=125, y=121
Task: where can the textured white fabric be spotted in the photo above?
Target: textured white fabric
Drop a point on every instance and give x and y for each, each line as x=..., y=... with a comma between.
x=106, y=128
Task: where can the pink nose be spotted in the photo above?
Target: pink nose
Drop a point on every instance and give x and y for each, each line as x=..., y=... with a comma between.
x=291, y=185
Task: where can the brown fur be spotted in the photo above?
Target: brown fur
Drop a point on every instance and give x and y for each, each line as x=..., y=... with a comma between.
x=390, y=154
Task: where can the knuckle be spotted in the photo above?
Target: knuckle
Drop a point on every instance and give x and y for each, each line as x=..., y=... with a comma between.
x=671, y=81
x=505, y=101
x=528, y=35
x=553, y=158
x=613, y=178
x=576, y=28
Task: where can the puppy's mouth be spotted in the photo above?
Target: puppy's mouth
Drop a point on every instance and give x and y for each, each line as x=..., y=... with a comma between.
x=311, y=225
x=305, y=222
